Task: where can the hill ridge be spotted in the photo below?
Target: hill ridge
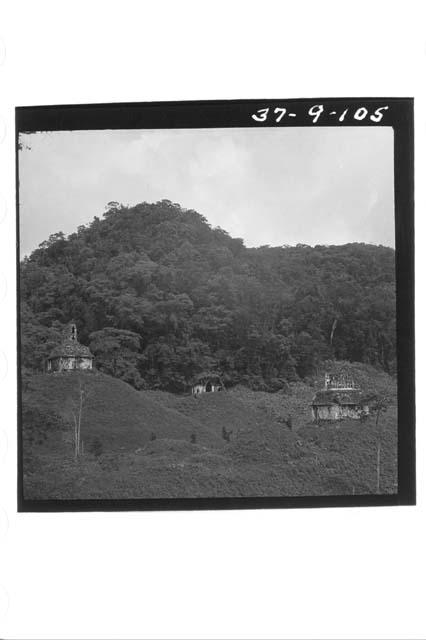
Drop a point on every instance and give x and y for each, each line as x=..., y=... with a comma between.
x=195, y=299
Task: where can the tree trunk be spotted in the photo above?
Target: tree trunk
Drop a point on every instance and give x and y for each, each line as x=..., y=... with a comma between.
x=379, y=447
x=333, y=329
x=79, y=419
x=379, y=451
x=75, y=437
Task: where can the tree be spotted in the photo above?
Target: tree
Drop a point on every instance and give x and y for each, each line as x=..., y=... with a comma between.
x=117, y=353
x=76, y=404
x=37, y=340
x=263, y=315
x=380, y=406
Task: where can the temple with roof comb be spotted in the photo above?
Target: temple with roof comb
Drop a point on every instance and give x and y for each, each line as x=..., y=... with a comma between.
x=340, y=398
x=70, y=355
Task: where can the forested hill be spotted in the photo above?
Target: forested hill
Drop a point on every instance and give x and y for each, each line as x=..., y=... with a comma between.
x=161, y=297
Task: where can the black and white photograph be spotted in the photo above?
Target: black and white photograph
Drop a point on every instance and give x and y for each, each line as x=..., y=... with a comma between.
x=210, y=312
x=211, y=348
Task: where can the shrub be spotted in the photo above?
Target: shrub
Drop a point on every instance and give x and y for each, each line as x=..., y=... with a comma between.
x=226, y=434
x=95, y=447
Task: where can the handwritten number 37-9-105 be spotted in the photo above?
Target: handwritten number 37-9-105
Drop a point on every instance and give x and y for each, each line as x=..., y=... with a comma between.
x=278, y=113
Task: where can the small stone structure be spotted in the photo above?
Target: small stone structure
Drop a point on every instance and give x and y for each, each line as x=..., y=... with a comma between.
x=207, y=384
x=341, y=398
x=70, y=354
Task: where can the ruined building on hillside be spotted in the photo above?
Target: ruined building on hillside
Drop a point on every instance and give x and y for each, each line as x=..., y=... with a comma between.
x=207, y=384
x=70, y=354
x=339, y=399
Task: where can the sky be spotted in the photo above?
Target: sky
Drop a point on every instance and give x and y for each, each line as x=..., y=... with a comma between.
x=269, y=186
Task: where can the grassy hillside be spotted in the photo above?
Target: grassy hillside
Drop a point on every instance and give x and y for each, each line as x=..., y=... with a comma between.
x=114, y=413
x=220, y=410
x=189, y=456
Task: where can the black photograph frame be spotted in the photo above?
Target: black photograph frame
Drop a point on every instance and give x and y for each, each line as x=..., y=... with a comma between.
x=391, y=112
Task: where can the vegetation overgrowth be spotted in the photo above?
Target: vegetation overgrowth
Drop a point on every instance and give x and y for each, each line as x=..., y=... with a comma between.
x=161, y=297
x=146, y=444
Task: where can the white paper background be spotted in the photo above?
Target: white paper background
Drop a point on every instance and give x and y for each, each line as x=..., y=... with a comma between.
x=332, y=573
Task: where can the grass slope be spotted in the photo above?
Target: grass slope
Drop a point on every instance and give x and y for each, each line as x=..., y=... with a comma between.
x=115, y=413
x=218, y=410
x=263, y=457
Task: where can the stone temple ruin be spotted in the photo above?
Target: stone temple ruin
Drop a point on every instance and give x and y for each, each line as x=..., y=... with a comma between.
x=70, y=354
x=340, y=398
x=206, y=384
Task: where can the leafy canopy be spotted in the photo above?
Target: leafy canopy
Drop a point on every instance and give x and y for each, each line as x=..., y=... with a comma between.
x=160, y=296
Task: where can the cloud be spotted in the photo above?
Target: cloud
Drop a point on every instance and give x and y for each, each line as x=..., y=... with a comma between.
x=269, y=186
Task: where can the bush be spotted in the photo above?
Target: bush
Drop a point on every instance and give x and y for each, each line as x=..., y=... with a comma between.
x=226, y=434
x=95, y=447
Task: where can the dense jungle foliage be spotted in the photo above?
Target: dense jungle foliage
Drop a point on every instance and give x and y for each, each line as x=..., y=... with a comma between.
x=161, y=297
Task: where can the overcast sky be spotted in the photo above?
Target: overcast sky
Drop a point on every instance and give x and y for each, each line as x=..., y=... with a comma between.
x=273, y=186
